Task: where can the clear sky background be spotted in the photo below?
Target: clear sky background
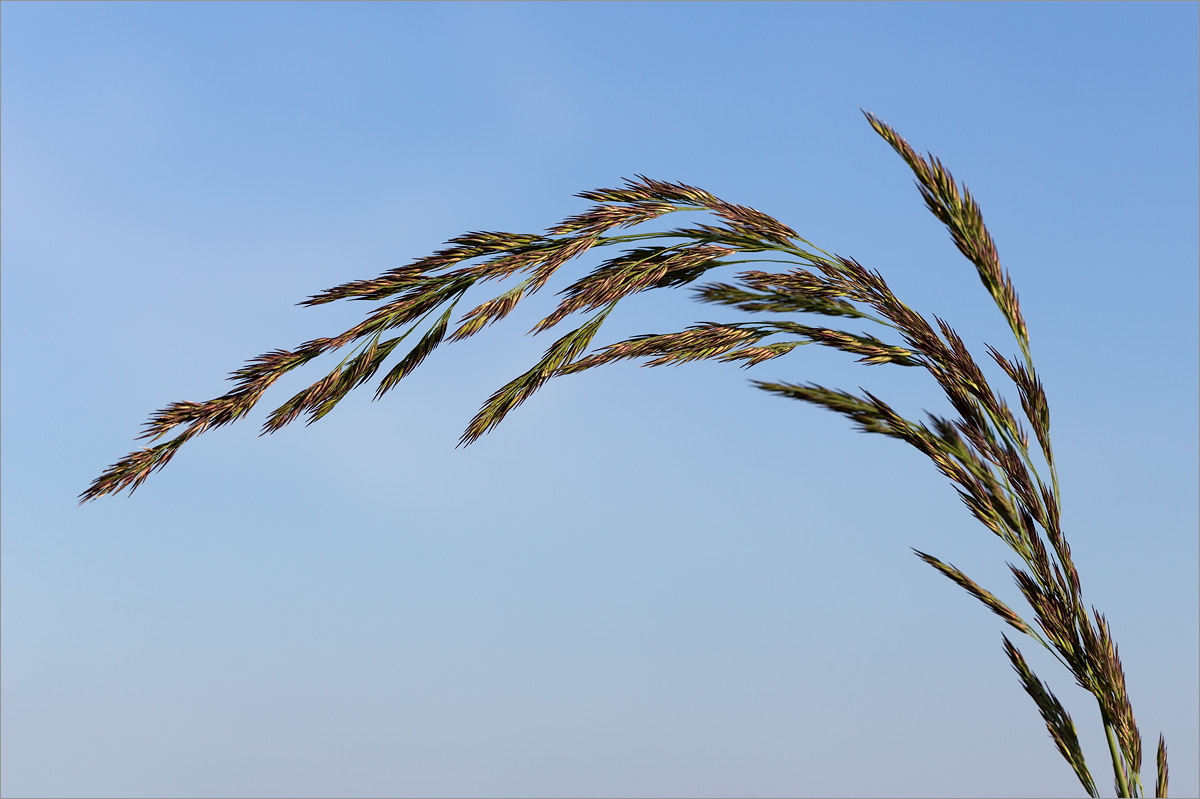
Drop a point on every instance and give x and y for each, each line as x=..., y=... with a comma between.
x=645, y=582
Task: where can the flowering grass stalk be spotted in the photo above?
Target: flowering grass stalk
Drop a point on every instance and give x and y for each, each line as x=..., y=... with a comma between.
x=986, y=451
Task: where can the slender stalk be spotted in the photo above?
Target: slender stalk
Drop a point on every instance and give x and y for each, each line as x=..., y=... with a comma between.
x=1118, y=766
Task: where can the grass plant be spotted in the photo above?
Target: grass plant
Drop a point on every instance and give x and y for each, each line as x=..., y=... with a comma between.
x=986, y=452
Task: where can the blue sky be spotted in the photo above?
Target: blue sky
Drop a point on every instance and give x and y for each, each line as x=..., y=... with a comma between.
x=645, y=582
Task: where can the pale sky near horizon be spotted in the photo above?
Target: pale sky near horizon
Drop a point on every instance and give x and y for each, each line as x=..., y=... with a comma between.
x=645, y=582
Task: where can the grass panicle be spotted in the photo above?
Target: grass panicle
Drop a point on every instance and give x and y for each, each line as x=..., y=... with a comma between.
x=1058, y=720
x=985, y=452
x=1160, y=785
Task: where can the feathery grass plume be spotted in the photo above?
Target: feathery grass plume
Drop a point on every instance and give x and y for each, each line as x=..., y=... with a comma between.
x=986, y=597
x=1058, y=720
x=985, y=451
x=1160, y=785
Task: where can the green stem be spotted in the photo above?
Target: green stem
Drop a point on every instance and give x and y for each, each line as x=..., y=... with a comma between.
x=1118, y=766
